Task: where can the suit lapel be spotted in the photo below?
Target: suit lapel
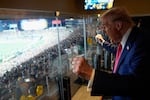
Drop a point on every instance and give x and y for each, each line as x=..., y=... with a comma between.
x=124, y=53
x=127, y=47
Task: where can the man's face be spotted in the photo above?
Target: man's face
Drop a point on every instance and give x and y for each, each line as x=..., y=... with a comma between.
x=110, y=29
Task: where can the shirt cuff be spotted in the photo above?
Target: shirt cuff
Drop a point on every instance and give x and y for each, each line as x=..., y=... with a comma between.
x=90, y=83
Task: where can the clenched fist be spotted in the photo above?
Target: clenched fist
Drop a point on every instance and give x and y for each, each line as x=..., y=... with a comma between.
x=99, y=38
x=81, y=67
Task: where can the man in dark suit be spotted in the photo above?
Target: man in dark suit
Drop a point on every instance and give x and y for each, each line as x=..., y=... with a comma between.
x=130, y=80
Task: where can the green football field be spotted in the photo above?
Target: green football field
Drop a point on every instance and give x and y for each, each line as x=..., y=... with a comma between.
x=13, y=44
x=9, y=49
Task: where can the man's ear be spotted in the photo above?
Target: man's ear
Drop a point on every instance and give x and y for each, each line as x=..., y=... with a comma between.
x=118, y=25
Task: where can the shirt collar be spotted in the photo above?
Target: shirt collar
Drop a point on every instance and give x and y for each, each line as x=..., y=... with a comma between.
x=125, y=37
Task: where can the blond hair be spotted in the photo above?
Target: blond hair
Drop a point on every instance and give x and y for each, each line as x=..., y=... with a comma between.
x=118, y=14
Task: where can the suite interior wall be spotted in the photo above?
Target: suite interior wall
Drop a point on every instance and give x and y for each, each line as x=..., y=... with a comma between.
x=136, y=7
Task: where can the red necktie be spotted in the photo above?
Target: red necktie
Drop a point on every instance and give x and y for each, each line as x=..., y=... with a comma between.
x=117, y=57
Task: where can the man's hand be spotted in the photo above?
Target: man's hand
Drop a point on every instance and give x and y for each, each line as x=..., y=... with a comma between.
x=81, y=67
x=99, y=38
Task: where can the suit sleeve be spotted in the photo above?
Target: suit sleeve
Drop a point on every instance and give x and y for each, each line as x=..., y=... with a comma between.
x=110, y=84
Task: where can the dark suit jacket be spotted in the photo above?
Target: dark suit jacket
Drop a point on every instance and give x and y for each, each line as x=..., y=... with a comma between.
x=131, y=79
